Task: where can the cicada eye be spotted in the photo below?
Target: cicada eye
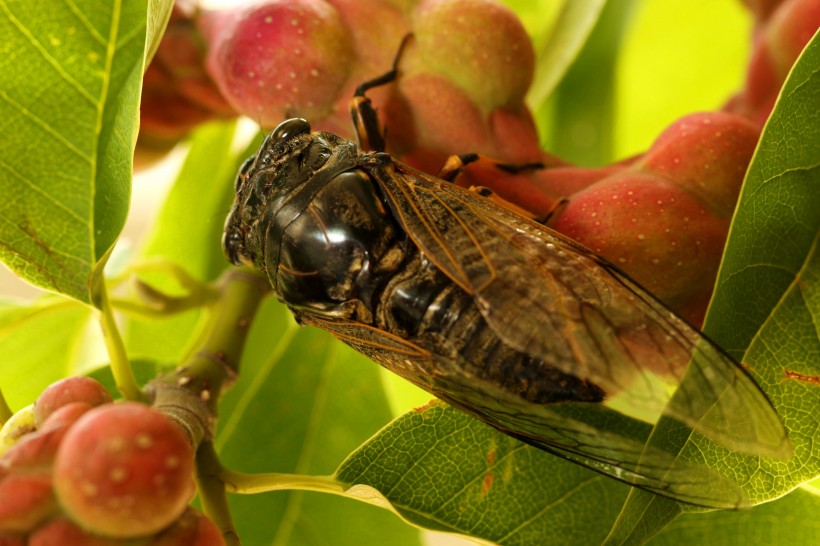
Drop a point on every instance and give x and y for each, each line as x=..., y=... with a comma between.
x=290, y=128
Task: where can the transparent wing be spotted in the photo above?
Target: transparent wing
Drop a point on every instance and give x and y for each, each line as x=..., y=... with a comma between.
x=588, y=434
x=554, y=300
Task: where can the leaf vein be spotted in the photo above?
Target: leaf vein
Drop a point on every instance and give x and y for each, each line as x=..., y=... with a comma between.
x=46, y=55
x=78, y=13
x=33, y=187
x=43, y=125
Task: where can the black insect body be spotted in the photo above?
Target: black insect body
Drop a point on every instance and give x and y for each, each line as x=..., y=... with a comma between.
x=491, y=312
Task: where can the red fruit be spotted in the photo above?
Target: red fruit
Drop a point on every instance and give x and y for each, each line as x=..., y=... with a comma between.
x=660, y=234
x=36, y=452
x=124, y=470
x=181, y=55
x=65, y=391
x=790, y=28
x=63, y=532
x=561, y=182
x=280, y=59
x=777, y=46
x=192, y=529
x=515, y=136
x=375, y=45
x=445, y=120
x=762, y=9
x=12, y=540
x=479, y=45
x=707, y=154
x=25, y=501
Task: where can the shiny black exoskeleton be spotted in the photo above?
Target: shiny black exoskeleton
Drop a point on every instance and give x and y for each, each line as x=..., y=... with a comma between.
x=309, y=214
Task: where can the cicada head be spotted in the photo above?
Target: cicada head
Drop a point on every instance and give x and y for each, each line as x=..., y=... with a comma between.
x=276, y=185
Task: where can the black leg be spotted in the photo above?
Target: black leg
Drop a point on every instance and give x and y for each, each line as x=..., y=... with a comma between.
x=365, y=118
x=455, y=165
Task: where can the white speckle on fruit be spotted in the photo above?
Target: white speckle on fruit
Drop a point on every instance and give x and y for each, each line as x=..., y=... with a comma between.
x=144, y=441
x=89, y=489
x=115, y=444
x=172, y=462
x=118, y=474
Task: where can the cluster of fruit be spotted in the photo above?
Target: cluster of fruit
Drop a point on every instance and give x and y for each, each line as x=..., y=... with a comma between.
x=77, y=469
x=662, y=217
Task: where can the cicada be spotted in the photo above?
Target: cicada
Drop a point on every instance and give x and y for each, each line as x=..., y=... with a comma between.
x=489, y=310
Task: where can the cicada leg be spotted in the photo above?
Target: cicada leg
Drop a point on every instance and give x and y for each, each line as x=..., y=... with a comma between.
x=455, y=165
x=365, y=117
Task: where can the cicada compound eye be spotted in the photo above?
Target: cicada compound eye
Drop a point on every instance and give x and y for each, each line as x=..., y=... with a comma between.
x=290, y=128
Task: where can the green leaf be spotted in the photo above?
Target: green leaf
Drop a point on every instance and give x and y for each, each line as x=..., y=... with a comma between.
x=792, y=520
x=159, y=12
x=767, y=302
x=69, y=95
x=40, y=343
x=777, y=218
x=570, y=32
x=188, y=231
x=443, y=470
x=583, y=106
x=302, y=402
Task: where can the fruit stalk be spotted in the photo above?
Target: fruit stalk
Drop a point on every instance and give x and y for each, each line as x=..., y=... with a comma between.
x=190, y=394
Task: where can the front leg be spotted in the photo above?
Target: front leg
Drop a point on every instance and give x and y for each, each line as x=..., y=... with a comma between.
x=365, y=117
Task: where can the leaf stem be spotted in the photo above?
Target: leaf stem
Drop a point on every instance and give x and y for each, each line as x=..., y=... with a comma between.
x=249, y=484
x=212, y=492
x=120, y=365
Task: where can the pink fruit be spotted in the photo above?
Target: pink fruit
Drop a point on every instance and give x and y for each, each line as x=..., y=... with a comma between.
x=65, y=391
x=36, y=451
x=192, y=529
x=445, y=121
x=790, y=28
x=25, y=501
x=777, y=45
x=762, y=9
x=660, y=234
x=63, y=532
x=280, y=59
x=706, y=154
x=12, y=539
x=479, y=45
x=124, y=470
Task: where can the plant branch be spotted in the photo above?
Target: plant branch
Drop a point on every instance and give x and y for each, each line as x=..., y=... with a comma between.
x=190, y=393
x=212, y=492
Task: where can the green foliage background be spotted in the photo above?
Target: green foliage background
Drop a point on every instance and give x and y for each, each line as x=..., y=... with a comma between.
x=612, y=75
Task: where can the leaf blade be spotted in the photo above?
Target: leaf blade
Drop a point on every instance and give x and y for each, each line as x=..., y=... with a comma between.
x=69, y=95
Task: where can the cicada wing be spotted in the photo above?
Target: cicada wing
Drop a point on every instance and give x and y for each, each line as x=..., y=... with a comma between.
x=551, y=298
x=587, y=434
